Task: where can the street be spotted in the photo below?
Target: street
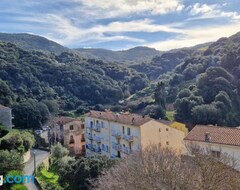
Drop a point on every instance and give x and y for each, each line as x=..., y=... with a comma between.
x=29, y=166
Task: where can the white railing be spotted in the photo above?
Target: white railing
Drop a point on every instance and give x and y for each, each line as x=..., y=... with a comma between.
x=128, y=138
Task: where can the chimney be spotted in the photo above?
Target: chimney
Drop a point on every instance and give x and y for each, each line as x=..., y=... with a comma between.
x=207, y=137
x=133, y=119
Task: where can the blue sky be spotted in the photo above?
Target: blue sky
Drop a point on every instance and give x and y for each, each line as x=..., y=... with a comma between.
x=122, y=24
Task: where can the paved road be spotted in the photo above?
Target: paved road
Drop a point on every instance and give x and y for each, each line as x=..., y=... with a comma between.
x=29, y=166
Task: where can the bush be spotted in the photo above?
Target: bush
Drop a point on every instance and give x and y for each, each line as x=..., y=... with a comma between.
x=18, y=187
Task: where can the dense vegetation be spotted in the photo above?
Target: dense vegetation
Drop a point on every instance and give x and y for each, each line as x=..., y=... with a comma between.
x=204, y=88
x=201, y=82
x=13, y=144
x=33, y=42
x=71, y=173
x=65, y=78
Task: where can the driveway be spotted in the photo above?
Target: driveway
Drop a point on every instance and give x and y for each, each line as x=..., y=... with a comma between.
x=29, y=166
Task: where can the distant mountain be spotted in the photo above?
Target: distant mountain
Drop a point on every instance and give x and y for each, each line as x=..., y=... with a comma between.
x=33, y=42
x=133, y=55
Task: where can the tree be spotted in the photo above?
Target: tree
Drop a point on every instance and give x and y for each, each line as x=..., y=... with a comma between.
x=10, y=160
x=7, y=97
x=155, y=112
x=161, y=168
x=81, y=173
x=30, y=114
x=160, y=95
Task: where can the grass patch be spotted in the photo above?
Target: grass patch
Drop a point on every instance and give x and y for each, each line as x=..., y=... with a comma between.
x=48, y=177
x=170, y=115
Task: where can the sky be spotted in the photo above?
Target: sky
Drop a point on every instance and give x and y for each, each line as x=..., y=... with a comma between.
x=122, y=24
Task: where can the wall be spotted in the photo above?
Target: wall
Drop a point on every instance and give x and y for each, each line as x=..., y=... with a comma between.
x=154, y=132
x=6, y=117
x=26, y=156
x=77, y=132
x=232, y=151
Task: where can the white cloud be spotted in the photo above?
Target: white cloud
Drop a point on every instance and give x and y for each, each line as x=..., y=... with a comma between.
x=196, y=36
x=111, y=8
x=63, y=30
x=204, y=11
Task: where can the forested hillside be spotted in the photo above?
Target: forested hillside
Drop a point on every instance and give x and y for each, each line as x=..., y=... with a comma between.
x=201, y=84
x=67, y=78
x=205, y=87
x=125, y=57
x=33, y=42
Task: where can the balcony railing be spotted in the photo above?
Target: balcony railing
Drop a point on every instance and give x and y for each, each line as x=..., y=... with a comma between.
x=97, y=149
x=127, y=150
x=117, y=147
x=128, y=138
x=117, y=134
x=96, y=128
x=97, y=139
x=89, y=136
x=89, y=147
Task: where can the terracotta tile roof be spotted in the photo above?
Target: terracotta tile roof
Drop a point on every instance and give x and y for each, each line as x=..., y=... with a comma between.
x=166, y=122
x=128, y=119
x=219, y=135
x=1, y=106
x=64, y=120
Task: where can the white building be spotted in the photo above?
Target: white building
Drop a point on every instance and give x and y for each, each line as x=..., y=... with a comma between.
x=117, y=135
x=217, y=140
x=6, y=116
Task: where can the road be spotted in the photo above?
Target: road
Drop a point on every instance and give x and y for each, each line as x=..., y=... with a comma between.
x=29, y=166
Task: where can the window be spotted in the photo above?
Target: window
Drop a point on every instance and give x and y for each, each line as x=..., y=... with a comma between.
x=61, y=127
x=167, y=143
x=102, y=124
x=71, y=141
x=91, y=124
x=106, y=148
x=103, y=147
x=82, y=138
x=82, y=126
x=216, y=154
x=159, y=130
x=71, y=127
x=128, y=131
x=166, y=129
x=123, y=130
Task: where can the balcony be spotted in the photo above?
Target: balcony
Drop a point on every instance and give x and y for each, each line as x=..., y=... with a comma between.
x=128, y=138
x=117, y=134
x=117, y=147
x=127, y=150
x=96, y=128
x=89, y=136
x=97, y=139
x=97, y=149
x=89, y=147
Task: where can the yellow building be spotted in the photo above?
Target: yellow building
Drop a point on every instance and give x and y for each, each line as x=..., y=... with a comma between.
x=119, y=134
x=69, y=132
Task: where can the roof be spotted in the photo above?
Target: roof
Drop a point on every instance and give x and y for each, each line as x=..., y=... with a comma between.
x=64, y=120
x=124, y=118
x=219, y=135
x=2, y=106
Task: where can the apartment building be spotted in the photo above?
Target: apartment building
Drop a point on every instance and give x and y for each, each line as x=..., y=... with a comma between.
x=6, y=116
x=69, y=132
x=119, y=134
x=216, y=140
